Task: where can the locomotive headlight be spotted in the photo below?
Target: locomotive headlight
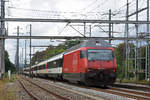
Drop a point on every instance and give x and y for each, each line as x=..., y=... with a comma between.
x=89, y=70
x=101, y=68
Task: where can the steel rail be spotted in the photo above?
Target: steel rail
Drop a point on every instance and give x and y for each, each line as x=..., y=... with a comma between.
x=135, y=87
x=125, y=94
x=56, y=95
x=29, y=93
x=131, y=91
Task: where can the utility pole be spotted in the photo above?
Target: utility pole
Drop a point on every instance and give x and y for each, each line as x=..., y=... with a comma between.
x=136, y=47
x=30, y=48
x=22, y=57
x=147, y=72
x=90, y=30
x=2, y=41
x=20, y=61
x=17, y=51
x=25, y=61
x=84, y=29
x=110, y=26
x=112, y=30
x=127, y=35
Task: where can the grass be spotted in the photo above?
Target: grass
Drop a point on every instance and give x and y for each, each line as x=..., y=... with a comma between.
x=5, y=94
x=143, y=82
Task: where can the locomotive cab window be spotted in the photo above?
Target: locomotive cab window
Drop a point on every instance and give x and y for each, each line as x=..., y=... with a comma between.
x=100, y=54
x=83, y=54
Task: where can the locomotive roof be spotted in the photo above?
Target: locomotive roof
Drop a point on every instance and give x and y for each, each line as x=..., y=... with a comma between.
x=95, y=43
x=91, y=43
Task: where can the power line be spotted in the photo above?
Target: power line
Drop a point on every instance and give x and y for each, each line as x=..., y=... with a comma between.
x=48, y=11
x=99, y=5
x=63, y=29
x=90, y=5
x=59, y=13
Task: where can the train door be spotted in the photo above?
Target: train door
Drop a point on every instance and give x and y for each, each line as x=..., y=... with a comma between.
x=83, y=64
x=75, y=70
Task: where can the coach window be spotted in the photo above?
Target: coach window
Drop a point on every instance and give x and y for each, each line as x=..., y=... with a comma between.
x=83, y=54
x=40, y=67
x=49, y=65
x=43, y=67
x=56, y=63
x=60, y=62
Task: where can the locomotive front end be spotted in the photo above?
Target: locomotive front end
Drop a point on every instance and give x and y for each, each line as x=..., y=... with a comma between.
x=100, y=76
x=101, y=68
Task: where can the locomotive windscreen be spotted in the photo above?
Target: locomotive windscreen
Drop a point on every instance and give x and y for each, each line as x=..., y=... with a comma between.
x=100, y=55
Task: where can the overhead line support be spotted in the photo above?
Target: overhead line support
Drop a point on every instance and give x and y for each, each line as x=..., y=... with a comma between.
x=2, y=41
x=72, y=37
x=74, y=21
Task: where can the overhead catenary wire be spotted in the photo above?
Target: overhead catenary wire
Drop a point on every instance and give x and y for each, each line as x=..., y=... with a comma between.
x=63, y=28
x=89, y=5
x=56, y=14
x=52, y=14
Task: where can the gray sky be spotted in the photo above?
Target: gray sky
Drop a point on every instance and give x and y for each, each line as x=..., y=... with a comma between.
x=72, y=9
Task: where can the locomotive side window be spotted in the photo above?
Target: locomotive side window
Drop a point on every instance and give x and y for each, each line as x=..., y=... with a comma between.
x=113, y=55
x=83, y=54
x=60, y=62
x=100, y=55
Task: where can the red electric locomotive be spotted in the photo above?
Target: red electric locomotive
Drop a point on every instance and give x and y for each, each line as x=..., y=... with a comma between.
x=91, y=62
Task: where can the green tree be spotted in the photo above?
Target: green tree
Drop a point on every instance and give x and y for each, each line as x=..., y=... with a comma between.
x=52, y=51
x=8, y=64
x=120, y=53
x=70, y=44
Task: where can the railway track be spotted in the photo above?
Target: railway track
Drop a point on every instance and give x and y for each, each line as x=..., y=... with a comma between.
x=28, y=92
x=133, y=86
x=132, y=91
x=77, y=94
x=129, y=93
x=139, y=95
x=33, y=93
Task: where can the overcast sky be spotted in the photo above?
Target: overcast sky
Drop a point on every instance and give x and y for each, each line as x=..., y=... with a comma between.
x=72, y=9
